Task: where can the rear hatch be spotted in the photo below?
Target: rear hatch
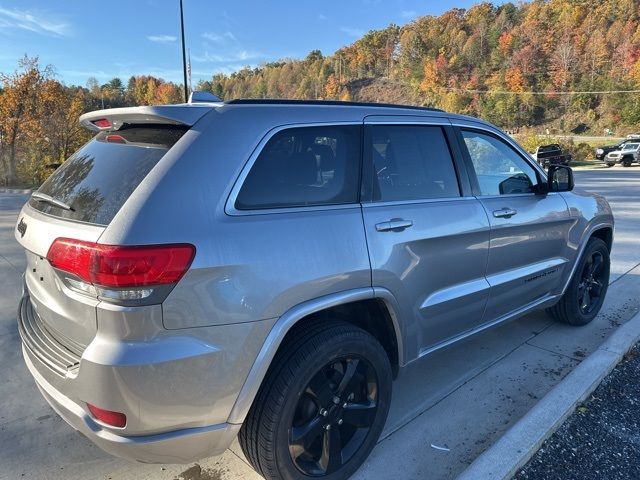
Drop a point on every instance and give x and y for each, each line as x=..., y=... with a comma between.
x=78, y=201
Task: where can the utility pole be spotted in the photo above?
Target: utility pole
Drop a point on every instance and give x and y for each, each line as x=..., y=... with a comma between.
x=184, y=56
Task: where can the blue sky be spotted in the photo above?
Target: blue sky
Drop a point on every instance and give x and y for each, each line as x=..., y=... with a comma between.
x=84, y=38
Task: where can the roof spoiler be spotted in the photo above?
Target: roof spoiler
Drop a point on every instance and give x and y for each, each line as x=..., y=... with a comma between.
x=114, y=118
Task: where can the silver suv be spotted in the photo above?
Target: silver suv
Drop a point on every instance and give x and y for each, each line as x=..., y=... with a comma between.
x=264, y=269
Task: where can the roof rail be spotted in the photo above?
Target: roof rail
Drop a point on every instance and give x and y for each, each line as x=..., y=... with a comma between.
x=277, y=101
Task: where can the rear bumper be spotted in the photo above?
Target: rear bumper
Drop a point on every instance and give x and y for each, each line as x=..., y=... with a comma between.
x=176, y=388
x=181, y=446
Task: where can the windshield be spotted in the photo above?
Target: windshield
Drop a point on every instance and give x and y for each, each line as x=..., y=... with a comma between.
x=97, y=179
x=631, y=146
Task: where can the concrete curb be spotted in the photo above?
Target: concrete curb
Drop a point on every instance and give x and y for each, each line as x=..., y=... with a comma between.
x=16, y=190
x=503, y=459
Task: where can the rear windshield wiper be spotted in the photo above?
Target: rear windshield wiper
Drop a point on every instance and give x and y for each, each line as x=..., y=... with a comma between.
x=43, y=197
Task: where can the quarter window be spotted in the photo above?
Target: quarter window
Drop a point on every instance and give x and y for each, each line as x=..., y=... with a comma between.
x=499, y=168
x=411, y=162
x=304, y=166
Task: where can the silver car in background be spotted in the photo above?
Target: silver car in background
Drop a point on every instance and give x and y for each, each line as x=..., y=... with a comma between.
x=264, y=269
x=628, y=154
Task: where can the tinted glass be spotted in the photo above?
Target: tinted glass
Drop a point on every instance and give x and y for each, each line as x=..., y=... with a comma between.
x=548, y=148
x=304, y=167
x=97, y=179
x=499, y=168
x=410, y=163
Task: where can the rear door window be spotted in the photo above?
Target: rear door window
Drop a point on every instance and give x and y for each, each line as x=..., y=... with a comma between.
x=304, y=166
x=411, y=163
x=97, y=179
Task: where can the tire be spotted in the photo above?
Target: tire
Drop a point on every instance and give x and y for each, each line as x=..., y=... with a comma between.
x=611, y=164
x=626, y=162
x=306, y=389
x=571, y=307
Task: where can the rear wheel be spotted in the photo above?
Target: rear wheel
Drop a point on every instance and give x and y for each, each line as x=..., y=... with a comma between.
x=626, y=162
x=322, y=406
x=585, y=294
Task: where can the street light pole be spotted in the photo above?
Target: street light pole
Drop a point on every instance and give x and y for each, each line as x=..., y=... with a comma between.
x=184, y=56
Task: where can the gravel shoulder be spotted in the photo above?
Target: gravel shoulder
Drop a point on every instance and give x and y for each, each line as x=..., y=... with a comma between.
x=601, y=438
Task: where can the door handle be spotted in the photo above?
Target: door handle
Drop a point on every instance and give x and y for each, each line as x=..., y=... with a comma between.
x=504, y=213
x=396, y=225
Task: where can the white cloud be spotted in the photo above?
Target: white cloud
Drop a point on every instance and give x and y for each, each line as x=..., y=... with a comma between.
x=162, y=38
x=408, y=13
x=219, y=37
x=239, y=56
x=322, y=17
x=33, y=21
x=169, y=74
x=352, y=32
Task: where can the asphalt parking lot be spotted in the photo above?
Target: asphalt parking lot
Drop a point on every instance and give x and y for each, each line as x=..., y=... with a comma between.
x=446, y=409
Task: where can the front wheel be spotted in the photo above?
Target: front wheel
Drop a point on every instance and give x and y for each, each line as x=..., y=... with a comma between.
x=626, y=162
x=322, y=406
x=585, y=294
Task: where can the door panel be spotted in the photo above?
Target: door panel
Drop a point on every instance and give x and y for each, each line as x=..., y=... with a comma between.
x=430, y=252
x=529, y=231
x=527, y=254
x=435, y=268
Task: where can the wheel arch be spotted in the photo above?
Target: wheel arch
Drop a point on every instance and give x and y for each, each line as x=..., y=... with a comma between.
x=296, y=317
x=603, y=231
x=605, y=234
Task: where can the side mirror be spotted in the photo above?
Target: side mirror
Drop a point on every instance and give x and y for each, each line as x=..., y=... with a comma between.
x=560, y=178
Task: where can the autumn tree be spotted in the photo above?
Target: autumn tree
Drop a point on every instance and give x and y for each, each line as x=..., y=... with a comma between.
x=19, y=105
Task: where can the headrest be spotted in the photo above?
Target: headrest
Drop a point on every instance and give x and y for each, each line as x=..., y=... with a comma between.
x=327, y=158
x=302, y=169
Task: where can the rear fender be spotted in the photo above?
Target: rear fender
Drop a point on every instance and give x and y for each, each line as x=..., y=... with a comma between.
x=284, y=324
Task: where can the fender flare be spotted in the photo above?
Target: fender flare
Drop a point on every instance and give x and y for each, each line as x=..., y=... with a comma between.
x=583, y=244
x=274, y=339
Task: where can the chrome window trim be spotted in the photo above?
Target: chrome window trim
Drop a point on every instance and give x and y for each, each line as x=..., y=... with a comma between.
x=417, y=202
x=230, y=205
x=511, y=195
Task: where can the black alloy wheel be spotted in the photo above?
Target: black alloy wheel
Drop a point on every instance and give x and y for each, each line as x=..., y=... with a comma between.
x=333, y=416
x=591, y=283
x=322, y=405
x=584, y=296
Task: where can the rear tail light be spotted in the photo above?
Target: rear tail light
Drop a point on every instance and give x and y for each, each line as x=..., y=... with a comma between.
x=114, y=419
x=116, y=266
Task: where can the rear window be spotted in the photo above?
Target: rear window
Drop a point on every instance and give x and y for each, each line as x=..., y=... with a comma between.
x=548, y=148
x=97, y=179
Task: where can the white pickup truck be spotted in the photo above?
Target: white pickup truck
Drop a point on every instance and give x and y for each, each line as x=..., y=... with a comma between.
x=627, y=155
